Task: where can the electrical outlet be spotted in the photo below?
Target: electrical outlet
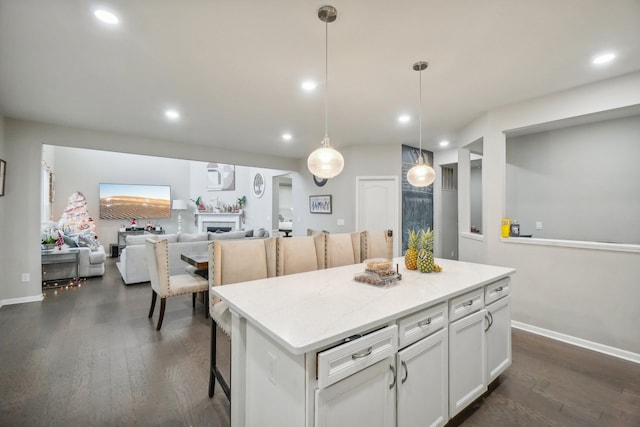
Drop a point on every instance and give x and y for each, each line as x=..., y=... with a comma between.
x=538, y=225
x=340, y=222
x=25, y=277
x=273, y=367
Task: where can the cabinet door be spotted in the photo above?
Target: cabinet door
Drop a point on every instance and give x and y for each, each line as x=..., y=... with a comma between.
x=422, y=382
x=366, y=398
x=498, y=337
x=467, y=361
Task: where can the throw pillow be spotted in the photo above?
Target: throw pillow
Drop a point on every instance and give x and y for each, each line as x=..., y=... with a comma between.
x=70, y=240
x=249, y=233
x=87, y=241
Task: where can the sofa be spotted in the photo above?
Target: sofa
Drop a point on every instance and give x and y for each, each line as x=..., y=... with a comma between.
x=90, y=263
x=133, y=262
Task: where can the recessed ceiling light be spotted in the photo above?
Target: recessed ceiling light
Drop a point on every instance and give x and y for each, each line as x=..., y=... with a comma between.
x=603, y=58
x=287, y=136
x=106, y=16
x=172, y=114
x=444, y=143
x=405, y=118
x=309, y=85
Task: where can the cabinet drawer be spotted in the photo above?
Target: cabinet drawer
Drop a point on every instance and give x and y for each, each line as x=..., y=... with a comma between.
x=346, y=359
x=421, y=324
x=466, y=304
x=496, y=290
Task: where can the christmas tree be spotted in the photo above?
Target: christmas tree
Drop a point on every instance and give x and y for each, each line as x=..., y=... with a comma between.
x=75, y=218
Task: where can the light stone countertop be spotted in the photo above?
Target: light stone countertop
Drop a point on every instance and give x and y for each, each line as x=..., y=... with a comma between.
x=309, y=311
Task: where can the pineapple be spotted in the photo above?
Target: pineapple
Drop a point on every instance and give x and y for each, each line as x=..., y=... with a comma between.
x=425, y=256
x=411, y=255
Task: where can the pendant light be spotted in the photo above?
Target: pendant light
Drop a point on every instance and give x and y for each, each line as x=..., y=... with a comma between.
x=326, y=162
x=421, y=174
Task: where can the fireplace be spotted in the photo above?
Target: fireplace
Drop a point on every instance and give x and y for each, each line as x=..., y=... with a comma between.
x=216, y=229
x=209, y=219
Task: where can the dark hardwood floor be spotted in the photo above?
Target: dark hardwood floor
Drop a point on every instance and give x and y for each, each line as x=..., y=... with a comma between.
x=89, y=356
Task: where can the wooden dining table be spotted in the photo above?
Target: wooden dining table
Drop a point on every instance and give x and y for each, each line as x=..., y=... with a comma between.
x=200, y=260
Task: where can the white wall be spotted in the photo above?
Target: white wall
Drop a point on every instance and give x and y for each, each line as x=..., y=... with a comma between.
x=3, y=217
x=83, y=170
x=445, y=222
x=581, y=182
x=475, y=188
x=360, y=160
x=589, y=294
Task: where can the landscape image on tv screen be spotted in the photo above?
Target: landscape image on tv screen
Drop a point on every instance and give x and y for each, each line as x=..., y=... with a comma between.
x=127, y=201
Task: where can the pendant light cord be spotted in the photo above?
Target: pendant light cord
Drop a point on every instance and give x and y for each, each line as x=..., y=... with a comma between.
x=326, y=79
x=420, y=120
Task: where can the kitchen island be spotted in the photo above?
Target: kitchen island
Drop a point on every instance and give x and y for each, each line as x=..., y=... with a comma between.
x=320, y=349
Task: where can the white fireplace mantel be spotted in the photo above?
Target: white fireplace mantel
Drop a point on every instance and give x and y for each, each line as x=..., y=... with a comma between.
x=210, y=219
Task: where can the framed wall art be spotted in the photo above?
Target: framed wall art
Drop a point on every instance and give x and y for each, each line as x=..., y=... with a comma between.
x=3, y=174
x=221, y=177
x=320, y=204
x=258, y=185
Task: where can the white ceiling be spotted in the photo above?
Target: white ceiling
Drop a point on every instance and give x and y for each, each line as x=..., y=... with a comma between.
x=234, y=67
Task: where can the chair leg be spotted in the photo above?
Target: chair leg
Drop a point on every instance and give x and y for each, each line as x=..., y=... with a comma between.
x=154, y=295
x=193, y=299
x=163, y=303
x=206, y=304
x=215, y=373
x=212, y=375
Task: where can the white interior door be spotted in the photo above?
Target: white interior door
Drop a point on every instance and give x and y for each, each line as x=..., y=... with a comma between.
x=377, y=206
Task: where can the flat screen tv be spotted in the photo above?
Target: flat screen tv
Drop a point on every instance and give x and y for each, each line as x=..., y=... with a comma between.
x=127, y=201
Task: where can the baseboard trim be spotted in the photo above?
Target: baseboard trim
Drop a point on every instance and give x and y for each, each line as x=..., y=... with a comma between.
x=22, y=300
x=590, y=345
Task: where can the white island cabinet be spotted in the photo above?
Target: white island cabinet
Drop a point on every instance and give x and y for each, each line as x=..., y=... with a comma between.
x=320, y=349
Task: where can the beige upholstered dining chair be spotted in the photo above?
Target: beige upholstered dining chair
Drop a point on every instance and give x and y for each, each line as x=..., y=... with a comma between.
x=376, y=244
x=300, y=254
x=342, y=249
x=166, y=285
x=233, y=261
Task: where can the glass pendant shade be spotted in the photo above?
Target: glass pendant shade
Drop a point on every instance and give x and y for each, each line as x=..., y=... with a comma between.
x=421, y=175
x=325, y=162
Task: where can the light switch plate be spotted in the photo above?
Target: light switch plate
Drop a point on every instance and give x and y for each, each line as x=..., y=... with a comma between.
x=538, y=225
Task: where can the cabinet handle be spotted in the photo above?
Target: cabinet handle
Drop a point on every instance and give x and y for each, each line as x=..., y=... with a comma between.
x=406, y=371
x=393, y=372
x=424, y=322
x=489, y=318
x=363, y=354
x=468, y=303
x=499, y=289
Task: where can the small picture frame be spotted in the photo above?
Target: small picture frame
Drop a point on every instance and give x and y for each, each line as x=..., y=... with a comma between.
x=258, y=185
x=3, y=174
x=320, y=204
